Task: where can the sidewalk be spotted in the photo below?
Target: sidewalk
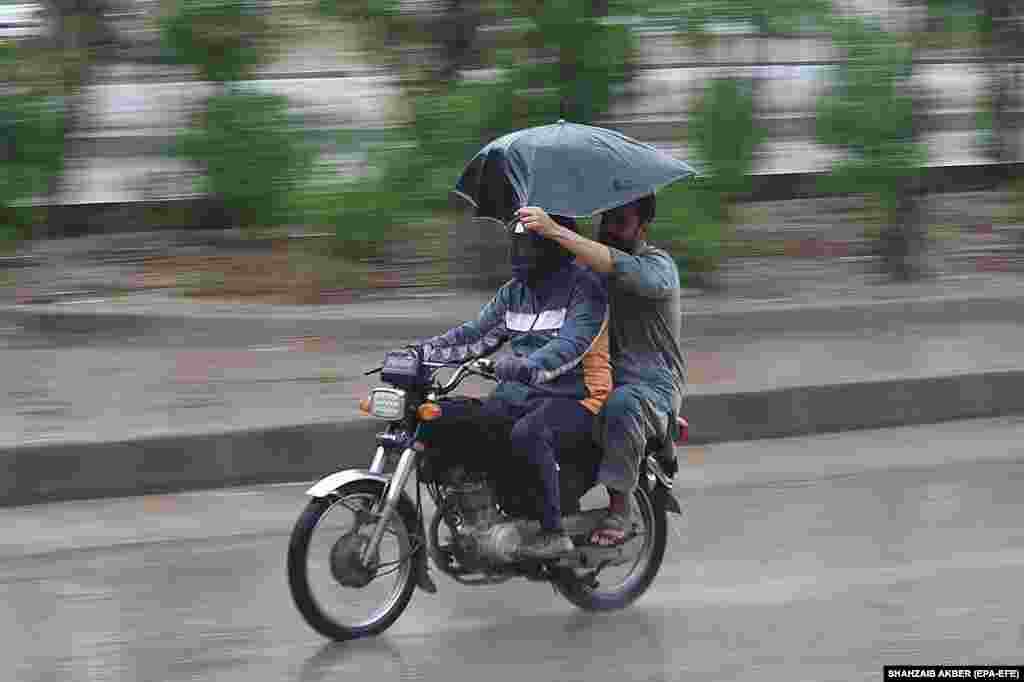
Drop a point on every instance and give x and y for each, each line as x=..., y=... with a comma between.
x=152, y=394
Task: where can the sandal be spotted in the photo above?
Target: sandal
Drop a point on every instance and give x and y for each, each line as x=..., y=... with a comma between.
x=613, y=531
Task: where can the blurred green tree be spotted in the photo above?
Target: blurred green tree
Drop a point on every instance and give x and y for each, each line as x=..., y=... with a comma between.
x=31, y=156
x=32, y=130
x=869, y=112
x=1003, y=40
x=723, y=126
x=993, y=29
x=438, y=38
x=693, y=217
x=591, y=57
x=46, y=78
x=765, y=17
x=953, y=23
x=564, y=62
x=253, y=154
x=77, y=37
x=225, y=39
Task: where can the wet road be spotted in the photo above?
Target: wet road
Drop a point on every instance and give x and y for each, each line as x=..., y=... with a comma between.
x=815, y=558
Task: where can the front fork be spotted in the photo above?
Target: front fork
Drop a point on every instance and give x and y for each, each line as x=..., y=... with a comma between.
x=377, y=465
x=399, y=478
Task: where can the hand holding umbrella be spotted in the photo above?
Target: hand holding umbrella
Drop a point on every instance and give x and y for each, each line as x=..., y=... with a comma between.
x=537, y=219
x=593, y=254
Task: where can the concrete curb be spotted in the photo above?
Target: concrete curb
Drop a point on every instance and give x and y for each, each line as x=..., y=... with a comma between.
x=853, y=316
x=49, y=473
x=57, y=472
x=808, y=410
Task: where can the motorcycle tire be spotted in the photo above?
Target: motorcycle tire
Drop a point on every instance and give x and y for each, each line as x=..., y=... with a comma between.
x=582, y=595
x=298, y=574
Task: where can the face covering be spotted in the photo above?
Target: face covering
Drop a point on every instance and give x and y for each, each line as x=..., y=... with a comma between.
x=533, y=257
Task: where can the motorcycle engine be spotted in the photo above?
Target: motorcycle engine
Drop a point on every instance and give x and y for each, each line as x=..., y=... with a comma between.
x=472, y=499
x=478, y=523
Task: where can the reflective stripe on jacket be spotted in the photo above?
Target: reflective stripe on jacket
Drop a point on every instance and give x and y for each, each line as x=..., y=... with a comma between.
x=560, y=326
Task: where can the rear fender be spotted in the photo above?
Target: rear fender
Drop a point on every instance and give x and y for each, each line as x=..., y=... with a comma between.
x=660, y=486
x=666, y=499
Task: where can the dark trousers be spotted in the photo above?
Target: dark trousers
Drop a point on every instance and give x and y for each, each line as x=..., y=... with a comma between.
x=542, y=429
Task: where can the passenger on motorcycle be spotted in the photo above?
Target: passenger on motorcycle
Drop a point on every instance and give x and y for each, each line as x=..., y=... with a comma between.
x=553, y=384
x=650, y=368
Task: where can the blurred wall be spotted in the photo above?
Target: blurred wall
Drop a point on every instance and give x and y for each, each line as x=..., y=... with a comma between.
x=133, y=110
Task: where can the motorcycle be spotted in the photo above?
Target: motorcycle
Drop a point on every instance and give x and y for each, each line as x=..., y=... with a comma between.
x=484, y=511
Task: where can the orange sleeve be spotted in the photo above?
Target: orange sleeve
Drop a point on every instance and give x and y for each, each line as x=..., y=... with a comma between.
x=597, y=370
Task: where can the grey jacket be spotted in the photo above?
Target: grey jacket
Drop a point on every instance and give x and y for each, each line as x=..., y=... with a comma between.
x=646, y=322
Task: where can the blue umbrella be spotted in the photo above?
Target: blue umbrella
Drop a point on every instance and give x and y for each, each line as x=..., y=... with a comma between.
x=567, y=169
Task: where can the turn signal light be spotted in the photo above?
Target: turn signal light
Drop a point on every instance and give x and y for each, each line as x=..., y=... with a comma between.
x=428, y=412
x=364, y=406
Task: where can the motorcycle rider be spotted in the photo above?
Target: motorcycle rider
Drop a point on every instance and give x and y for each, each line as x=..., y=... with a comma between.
x=554, y=314
x=649, y=366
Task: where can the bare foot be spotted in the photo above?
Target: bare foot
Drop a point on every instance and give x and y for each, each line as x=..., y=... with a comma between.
x=608, y=536
x=612, y=530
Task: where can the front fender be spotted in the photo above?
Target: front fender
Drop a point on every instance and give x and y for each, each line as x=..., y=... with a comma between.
x=328, y=484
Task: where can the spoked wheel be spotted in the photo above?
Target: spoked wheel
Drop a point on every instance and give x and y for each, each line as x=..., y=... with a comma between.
x=616, y=587
x=338, y=595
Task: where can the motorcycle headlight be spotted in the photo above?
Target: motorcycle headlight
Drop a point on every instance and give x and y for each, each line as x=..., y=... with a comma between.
x=387, y=403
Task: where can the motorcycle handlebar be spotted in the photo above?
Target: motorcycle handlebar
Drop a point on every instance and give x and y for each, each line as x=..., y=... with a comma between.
x=482, y=367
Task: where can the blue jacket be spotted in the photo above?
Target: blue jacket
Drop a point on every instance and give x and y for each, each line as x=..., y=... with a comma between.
x=560, y=326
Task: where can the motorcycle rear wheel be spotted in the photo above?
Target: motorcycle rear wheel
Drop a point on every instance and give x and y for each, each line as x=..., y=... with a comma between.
x=306, y=564
x=640, y=576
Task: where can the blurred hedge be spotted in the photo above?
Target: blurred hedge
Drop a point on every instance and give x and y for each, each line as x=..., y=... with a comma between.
x=869, y=112
x=254, y=155
x=32, y=130
x=452, y=119
x=225, y=39
x=694, y=217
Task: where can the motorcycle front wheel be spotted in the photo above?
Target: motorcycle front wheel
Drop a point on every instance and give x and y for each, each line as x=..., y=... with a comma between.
x=337, y=595
x=611, y=591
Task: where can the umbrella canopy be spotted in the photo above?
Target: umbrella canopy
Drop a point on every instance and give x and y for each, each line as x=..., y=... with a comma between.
x=567, y=169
